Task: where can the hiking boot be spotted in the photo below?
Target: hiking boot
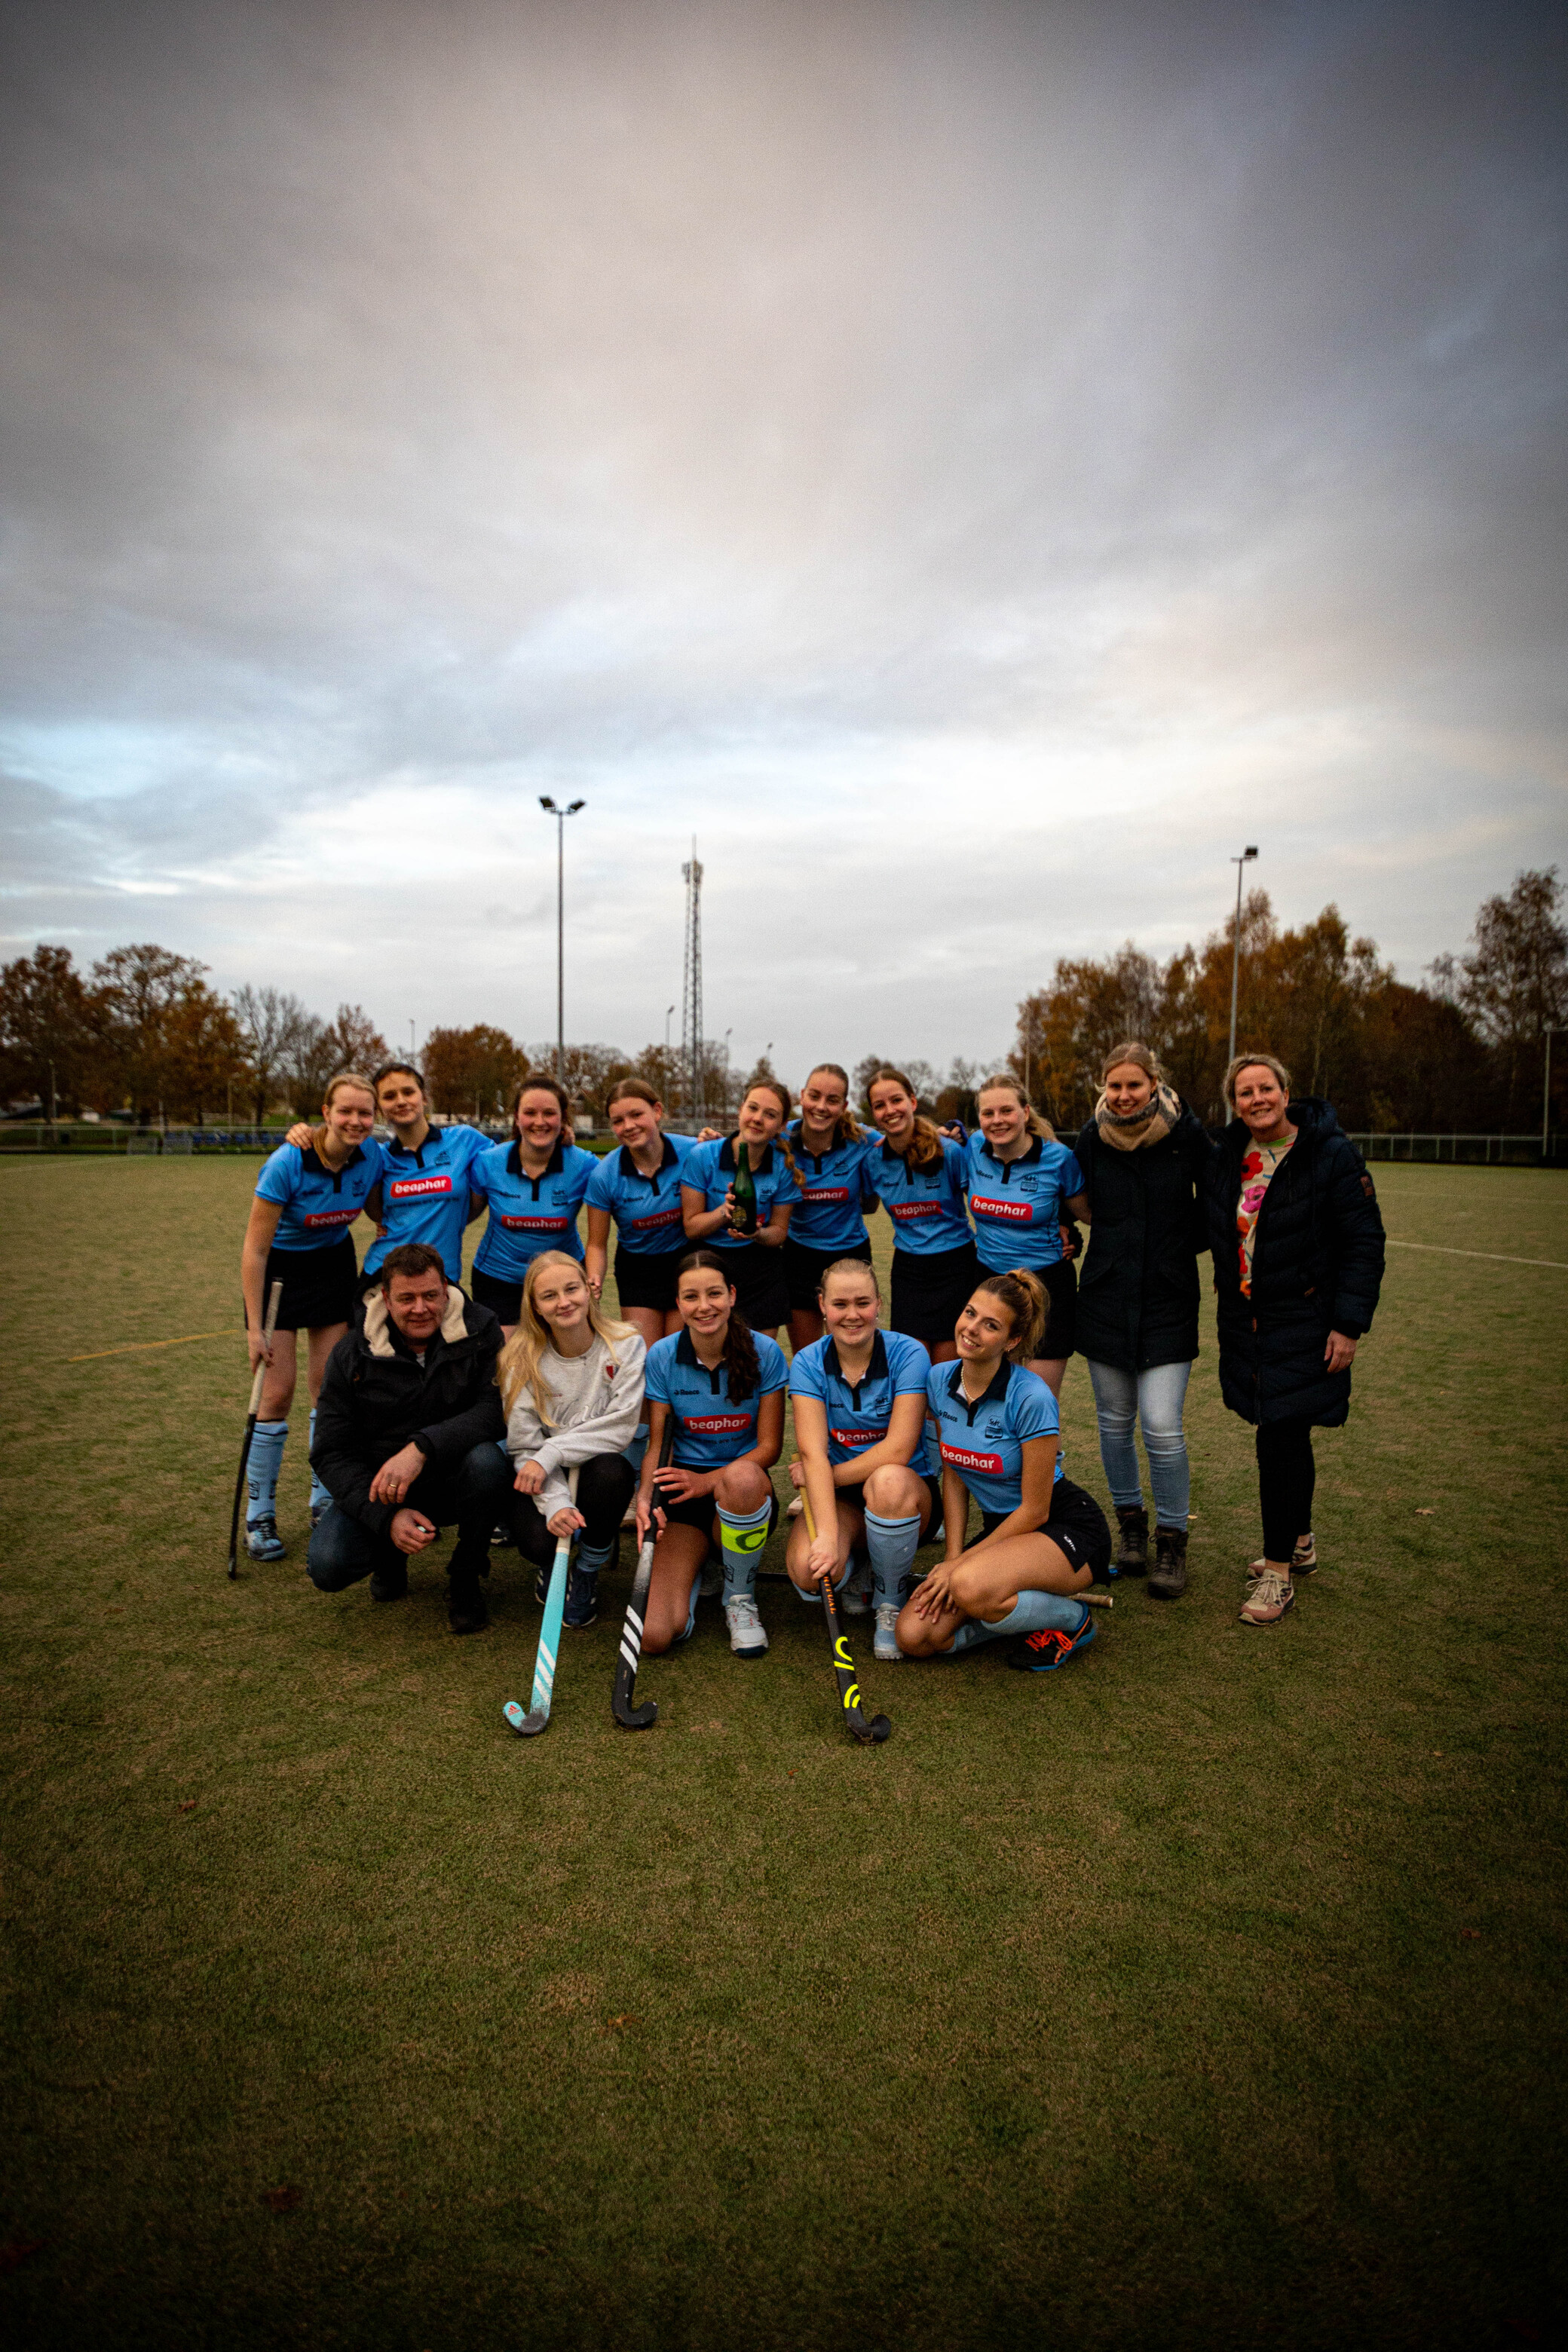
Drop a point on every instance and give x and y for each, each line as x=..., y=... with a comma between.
x=1168, y=1579
x=854, y=1593
x=390, y=1583
x=1042, y=1653
x=1269, y=1597
x=885, y=1643
x=747, y=1638
x=466, y=1610
x=582, y=1598
x=262, y=1541
x=1303, y=1560
x=1132, y=1559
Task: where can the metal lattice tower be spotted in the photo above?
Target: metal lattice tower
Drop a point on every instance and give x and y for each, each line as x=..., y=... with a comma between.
x=691, y=989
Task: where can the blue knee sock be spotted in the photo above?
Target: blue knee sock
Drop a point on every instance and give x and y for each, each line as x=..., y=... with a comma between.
x=741, y=1535
x=634, y=1452
x=262, y=1466
x=591, y=1557
x=319, y=1498
x=1033, y=1613
x=892, y=1544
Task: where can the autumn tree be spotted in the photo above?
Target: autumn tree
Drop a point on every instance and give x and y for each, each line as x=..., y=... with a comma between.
x=46, y=1032
x=269, y=1021
x=1515, y=980
x=473, y=1071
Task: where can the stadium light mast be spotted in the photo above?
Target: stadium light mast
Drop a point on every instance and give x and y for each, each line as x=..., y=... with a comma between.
x=1240, y=865
x=560, y=815
x=692, y=987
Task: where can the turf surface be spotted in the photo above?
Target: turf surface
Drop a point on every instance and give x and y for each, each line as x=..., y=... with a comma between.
x=1206, y=1993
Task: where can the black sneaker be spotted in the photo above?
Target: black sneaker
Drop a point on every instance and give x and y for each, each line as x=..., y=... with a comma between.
x=390, y=1583
x=1132, y=1557
x=1168, y=1579
x=466, y=1610
x=501, y=1537
x=582, y=1598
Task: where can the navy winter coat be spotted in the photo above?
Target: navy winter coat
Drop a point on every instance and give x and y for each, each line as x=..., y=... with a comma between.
x=1317, y=1267
x=1138, y=1292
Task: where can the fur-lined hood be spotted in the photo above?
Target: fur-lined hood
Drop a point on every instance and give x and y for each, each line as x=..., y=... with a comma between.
x=379, y=1326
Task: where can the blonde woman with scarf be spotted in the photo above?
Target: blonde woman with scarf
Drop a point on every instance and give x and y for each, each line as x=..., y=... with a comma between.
x=1143, y=1157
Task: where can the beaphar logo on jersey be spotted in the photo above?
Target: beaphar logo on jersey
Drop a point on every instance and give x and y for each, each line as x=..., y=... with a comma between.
x=825, y=1193
x=329, y=1216
x=534, y=1224
x=664, y=1217
x=1018, y=1212
x=412, y=1188
x=962, y=1457
x=716, y=1424
x=902, y=1209
x=853, y=1437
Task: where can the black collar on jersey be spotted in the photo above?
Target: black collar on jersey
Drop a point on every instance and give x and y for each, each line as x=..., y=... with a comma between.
x=727, y=1154
x=1023, y=1160
x=685, y=1353
x=552, y=1167
x=795, y=1136
x=432, y=1135
x=992, y=1395
x=876, y=1370
x=630, y=1166
x=314, y=1165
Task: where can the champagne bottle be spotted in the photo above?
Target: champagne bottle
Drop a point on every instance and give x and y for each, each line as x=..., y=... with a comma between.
x=745, y=1219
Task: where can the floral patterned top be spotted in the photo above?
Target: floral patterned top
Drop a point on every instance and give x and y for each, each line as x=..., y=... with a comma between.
x=1258, y=1162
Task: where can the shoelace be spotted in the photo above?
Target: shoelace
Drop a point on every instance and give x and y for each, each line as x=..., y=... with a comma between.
x=1270, y=1589
x=1049, y=1638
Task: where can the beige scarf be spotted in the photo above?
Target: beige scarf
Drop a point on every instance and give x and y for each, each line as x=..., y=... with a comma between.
x=1151, y=1125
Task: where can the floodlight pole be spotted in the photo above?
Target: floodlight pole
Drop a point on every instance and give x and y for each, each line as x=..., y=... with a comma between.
x=1239, y=862
x=560, y=815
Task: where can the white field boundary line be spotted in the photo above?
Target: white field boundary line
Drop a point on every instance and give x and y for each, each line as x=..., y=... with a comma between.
x=1491, y=1256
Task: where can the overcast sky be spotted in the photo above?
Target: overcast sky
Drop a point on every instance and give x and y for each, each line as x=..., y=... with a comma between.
x=974, y=467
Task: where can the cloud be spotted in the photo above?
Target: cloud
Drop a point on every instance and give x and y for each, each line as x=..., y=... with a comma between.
x=972, y=465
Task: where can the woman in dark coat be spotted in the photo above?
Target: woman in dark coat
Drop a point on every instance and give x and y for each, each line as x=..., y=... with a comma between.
x=1297, y=1238
x=1143, y=1157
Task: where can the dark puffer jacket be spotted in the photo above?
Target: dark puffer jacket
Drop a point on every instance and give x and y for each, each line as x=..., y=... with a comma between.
x=377, y=1396
x=1138, y=1293
x=1317, y=1267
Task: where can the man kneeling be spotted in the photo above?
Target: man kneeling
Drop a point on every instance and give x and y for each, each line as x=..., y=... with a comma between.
x=408, y=1433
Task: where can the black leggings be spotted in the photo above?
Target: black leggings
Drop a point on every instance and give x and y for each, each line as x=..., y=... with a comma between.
x=603, y=1489
x=1286, y=1474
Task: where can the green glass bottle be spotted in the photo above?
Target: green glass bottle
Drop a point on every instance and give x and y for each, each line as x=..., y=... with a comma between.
x=744, y=1220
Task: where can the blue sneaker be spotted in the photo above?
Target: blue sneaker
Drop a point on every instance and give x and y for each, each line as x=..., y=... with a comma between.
x=1042, y=1653
x=581, y=1597
x=262, y=1541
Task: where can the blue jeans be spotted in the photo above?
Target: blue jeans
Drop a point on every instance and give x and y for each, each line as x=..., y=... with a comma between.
x=476, y=1492
x=1120, y=1401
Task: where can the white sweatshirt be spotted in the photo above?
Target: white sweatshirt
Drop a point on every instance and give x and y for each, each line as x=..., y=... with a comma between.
x=595, y=1401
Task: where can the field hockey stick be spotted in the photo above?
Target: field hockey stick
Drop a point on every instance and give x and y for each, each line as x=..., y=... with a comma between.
x=631, y=1717
x=1096, y=1600
x=537, y=1719
x=878, y=1728
x=262, y=1369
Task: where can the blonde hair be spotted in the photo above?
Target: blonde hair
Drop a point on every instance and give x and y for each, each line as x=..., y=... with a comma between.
x=1023, y=1293
x=334, y=1087
x=924, y=1147
x=1247, y=1061
x=1032, y=1120
x=847, y=1129
x=1132, y=1050
x=520, y=1364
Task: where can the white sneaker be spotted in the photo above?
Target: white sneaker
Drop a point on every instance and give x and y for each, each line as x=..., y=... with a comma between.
x=747, y=1638
x=854, y=1593
x=710, y=1583
x=886, y=1644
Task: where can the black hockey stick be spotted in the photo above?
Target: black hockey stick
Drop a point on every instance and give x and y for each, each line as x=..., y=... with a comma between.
x=855, y=1722
x=623, y=1697
x=273, y=1303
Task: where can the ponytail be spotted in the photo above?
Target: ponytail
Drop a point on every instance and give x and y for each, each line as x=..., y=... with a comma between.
x=1023, y=1293
x=740, y=1354
x=924, y=1149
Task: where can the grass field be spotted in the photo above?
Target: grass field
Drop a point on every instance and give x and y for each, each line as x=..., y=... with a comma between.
x=1209, y=1992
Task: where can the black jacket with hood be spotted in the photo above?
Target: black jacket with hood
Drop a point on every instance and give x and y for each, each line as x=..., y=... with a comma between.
x=1138, y=1294
x=377, y=1397
x=1317, y=1267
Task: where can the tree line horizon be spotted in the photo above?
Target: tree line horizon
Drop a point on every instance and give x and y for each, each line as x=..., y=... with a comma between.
x=144, y=1033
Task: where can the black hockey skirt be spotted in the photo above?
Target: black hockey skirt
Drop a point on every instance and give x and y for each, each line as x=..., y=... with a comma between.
x=931, y=1293
x=320, y=1286
x=762, y=1289
x=647, y=1277
x=1077, y=1527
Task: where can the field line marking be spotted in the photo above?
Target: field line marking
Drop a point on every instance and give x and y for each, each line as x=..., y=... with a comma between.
x=1492, y=1256
x=137, y=1346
